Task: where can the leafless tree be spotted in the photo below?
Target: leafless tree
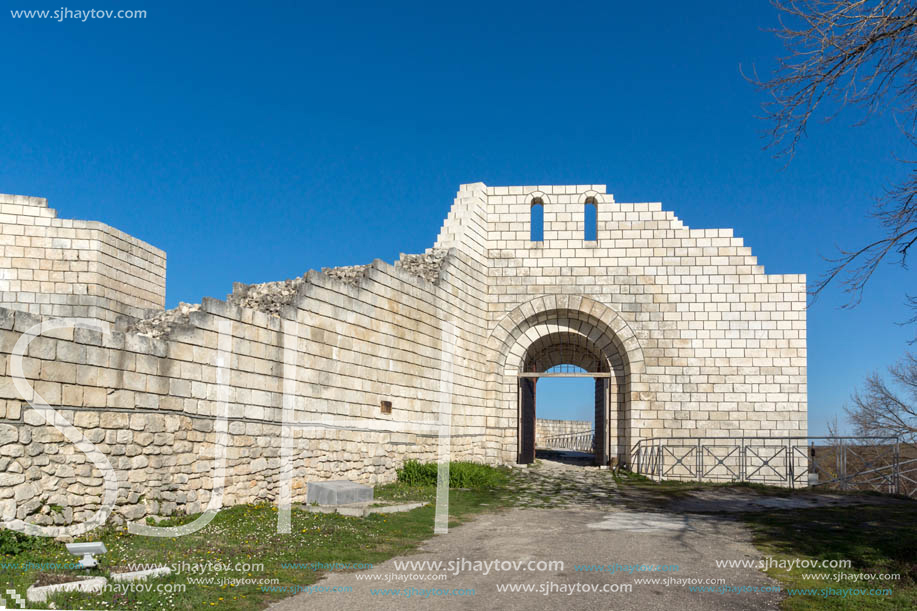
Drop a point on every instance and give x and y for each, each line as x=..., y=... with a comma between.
x=860, y=54
x=881, y=408
x=834, y=432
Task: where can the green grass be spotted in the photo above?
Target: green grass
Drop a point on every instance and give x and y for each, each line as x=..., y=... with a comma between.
x=246, y=534
x=876, y=539
x=629, y=477
x=12, y=542
x=461, y=475
x=675, y=485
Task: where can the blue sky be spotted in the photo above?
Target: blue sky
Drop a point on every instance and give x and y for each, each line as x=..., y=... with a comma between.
x=253, y=142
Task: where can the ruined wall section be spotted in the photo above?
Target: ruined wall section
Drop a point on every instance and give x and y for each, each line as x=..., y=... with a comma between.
x=149, y=403
x=465, y=227
x=62, y=267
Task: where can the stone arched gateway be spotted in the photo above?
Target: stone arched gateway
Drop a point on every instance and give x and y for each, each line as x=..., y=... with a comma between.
x=554, y=330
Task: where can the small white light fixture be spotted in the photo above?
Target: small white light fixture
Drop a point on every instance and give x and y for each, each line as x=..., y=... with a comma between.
x=86, y=550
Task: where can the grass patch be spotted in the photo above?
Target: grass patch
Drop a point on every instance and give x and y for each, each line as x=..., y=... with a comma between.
x=674, y=489
x=629, y=477
x=876, y=539
x=12, y=542
x=461, y=475
x=240, y=538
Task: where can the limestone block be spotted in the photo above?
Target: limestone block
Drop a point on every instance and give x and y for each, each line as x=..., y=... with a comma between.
x=8, y=434
x=114, y=420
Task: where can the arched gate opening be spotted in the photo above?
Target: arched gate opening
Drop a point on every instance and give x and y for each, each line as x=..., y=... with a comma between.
x=546, y=358
x=553, y=330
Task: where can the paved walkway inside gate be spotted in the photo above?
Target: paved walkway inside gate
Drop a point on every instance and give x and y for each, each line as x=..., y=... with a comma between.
x=571, y=515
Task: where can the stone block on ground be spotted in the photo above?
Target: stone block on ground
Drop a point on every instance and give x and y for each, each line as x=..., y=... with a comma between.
x=338, y=492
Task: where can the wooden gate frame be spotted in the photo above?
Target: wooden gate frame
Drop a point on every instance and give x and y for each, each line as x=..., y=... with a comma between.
x=601, y=454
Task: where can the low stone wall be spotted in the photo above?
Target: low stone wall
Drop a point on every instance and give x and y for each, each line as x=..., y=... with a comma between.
x=547, y=428
x=165, y=463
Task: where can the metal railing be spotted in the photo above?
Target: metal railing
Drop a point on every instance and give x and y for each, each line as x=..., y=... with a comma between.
x=582, y=441
x=843, y=463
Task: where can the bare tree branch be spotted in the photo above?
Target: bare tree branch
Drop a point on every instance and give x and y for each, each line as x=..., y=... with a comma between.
x=849, y=53
x=879, y=409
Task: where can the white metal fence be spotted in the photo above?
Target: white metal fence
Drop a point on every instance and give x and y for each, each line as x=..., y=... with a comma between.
x=583, y=441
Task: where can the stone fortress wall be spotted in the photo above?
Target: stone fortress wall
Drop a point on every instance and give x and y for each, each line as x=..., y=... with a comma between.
x=706, y=343
x=547, y=427
x=61, y=267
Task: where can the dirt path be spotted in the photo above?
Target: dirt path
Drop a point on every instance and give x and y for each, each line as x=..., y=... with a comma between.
x=572, y=516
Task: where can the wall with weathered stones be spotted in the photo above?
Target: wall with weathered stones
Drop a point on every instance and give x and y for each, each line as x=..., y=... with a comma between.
x=147, y=395
x=697, y=340
x=150, y=403
x=62, y=267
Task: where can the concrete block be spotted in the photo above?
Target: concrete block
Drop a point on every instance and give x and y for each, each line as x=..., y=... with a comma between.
x=159, y=571
x=338, y=492
x=41, y=593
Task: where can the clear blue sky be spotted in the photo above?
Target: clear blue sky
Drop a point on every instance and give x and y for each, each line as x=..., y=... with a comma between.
x=255, y=141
